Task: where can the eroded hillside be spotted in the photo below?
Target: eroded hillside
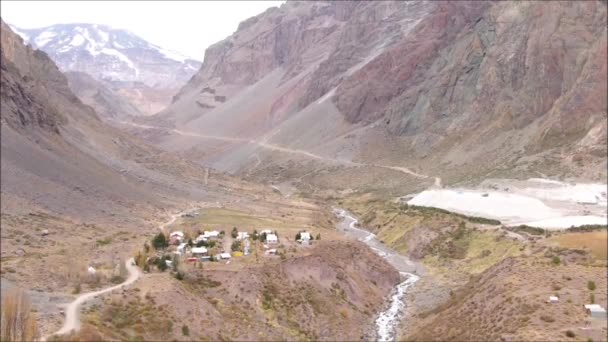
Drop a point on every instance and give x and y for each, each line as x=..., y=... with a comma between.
x=452, y=89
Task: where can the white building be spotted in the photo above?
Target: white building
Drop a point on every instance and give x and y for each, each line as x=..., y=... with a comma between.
x=211, y=234
x=242, y=235
x=225, y=256
x=182, y=247
x=305, y=236
x=200, y=238
x=596, y=311
x=199, y=250
x=272, y=238
x=178, y=234
x=553, y=299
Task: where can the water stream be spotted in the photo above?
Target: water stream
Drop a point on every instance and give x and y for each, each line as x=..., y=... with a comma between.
x=388, y=320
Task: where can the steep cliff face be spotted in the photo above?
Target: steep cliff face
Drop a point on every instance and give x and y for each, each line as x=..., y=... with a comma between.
x=493, y=83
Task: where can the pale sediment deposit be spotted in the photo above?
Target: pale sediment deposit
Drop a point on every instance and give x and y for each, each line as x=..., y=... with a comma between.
x=536, y=202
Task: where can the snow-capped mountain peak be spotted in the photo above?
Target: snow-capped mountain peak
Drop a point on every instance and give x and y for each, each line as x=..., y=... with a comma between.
x=111, y=54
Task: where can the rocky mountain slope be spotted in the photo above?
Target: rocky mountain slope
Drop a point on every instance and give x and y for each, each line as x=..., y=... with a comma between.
x=59, y=158
x=115, y=56
x=107, y=104
x=456, y=89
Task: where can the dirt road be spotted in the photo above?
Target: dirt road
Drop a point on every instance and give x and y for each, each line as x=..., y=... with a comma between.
x=72, y=313
x=277, y=148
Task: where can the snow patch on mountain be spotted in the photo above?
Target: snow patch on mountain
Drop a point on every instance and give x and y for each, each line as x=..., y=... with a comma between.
x=111, y=54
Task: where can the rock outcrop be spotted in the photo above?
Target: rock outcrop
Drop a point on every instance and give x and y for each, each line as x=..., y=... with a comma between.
x=515, y=85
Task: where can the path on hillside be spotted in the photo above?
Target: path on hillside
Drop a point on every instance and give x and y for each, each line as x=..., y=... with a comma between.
x=278, y=148
x=72, y=313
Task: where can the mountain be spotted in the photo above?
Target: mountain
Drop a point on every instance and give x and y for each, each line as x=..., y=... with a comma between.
x=114, y=56
x=59, y=158
x=107, y=104
x=460, y=90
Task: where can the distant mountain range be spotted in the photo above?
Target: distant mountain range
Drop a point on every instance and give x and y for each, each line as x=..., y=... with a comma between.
x=127, y=63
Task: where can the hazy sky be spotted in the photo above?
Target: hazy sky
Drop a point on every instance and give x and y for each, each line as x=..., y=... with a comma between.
x=188, y=27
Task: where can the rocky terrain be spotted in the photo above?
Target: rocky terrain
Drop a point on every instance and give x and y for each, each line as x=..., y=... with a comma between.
x=370, y=121
x=509, y=302
x=326, y=293
x=125, y=61
x=107, y=104
x=460, y=90
x=78, y=193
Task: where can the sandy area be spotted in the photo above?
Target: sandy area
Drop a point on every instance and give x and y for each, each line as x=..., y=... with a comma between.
x=536, y=202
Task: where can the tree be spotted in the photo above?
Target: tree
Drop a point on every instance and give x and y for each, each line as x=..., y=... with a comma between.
x=263, y=237
x=160, y=241
x=236, y=245
x=18, y=321
x=318, y=236
x=255, y=236
x=175, y=263
x=190, y=243
x=234, y=233
x=298, y=236
x=161, y=264
x=591, y=285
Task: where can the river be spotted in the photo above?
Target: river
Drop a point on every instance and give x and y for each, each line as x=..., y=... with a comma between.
x=388, y=320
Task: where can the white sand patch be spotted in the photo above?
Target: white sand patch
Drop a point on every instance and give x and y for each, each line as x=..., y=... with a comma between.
x=536, y=202
x=567, y=221
x=497, y=205
x=578, y=193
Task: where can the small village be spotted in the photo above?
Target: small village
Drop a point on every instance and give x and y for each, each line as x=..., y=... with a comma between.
x=182, y=248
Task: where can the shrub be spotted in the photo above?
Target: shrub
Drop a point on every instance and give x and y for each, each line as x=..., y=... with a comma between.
x=236, y=246
x=105, y=241
x=548, y=319
x=318, y=236
x=591, y=285
x=556, y=261
x=160, y=241
x=117, y=279
x=592, y=298
x=185, y=330
x=18, y=320
x=160, y=264
x=570, y=333
x=234, y=233
x=179, y=275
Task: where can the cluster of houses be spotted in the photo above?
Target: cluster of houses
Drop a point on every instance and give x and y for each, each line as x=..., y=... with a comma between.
x=196, y=252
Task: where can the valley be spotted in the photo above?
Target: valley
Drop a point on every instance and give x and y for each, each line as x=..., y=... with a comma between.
x=331, y=170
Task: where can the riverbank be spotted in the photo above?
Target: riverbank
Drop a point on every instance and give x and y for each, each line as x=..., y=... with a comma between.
x=389, y=320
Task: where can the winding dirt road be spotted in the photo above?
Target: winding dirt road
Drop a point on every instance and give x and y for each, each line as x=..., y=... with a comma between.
x=72, y=313
x=278, y=148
